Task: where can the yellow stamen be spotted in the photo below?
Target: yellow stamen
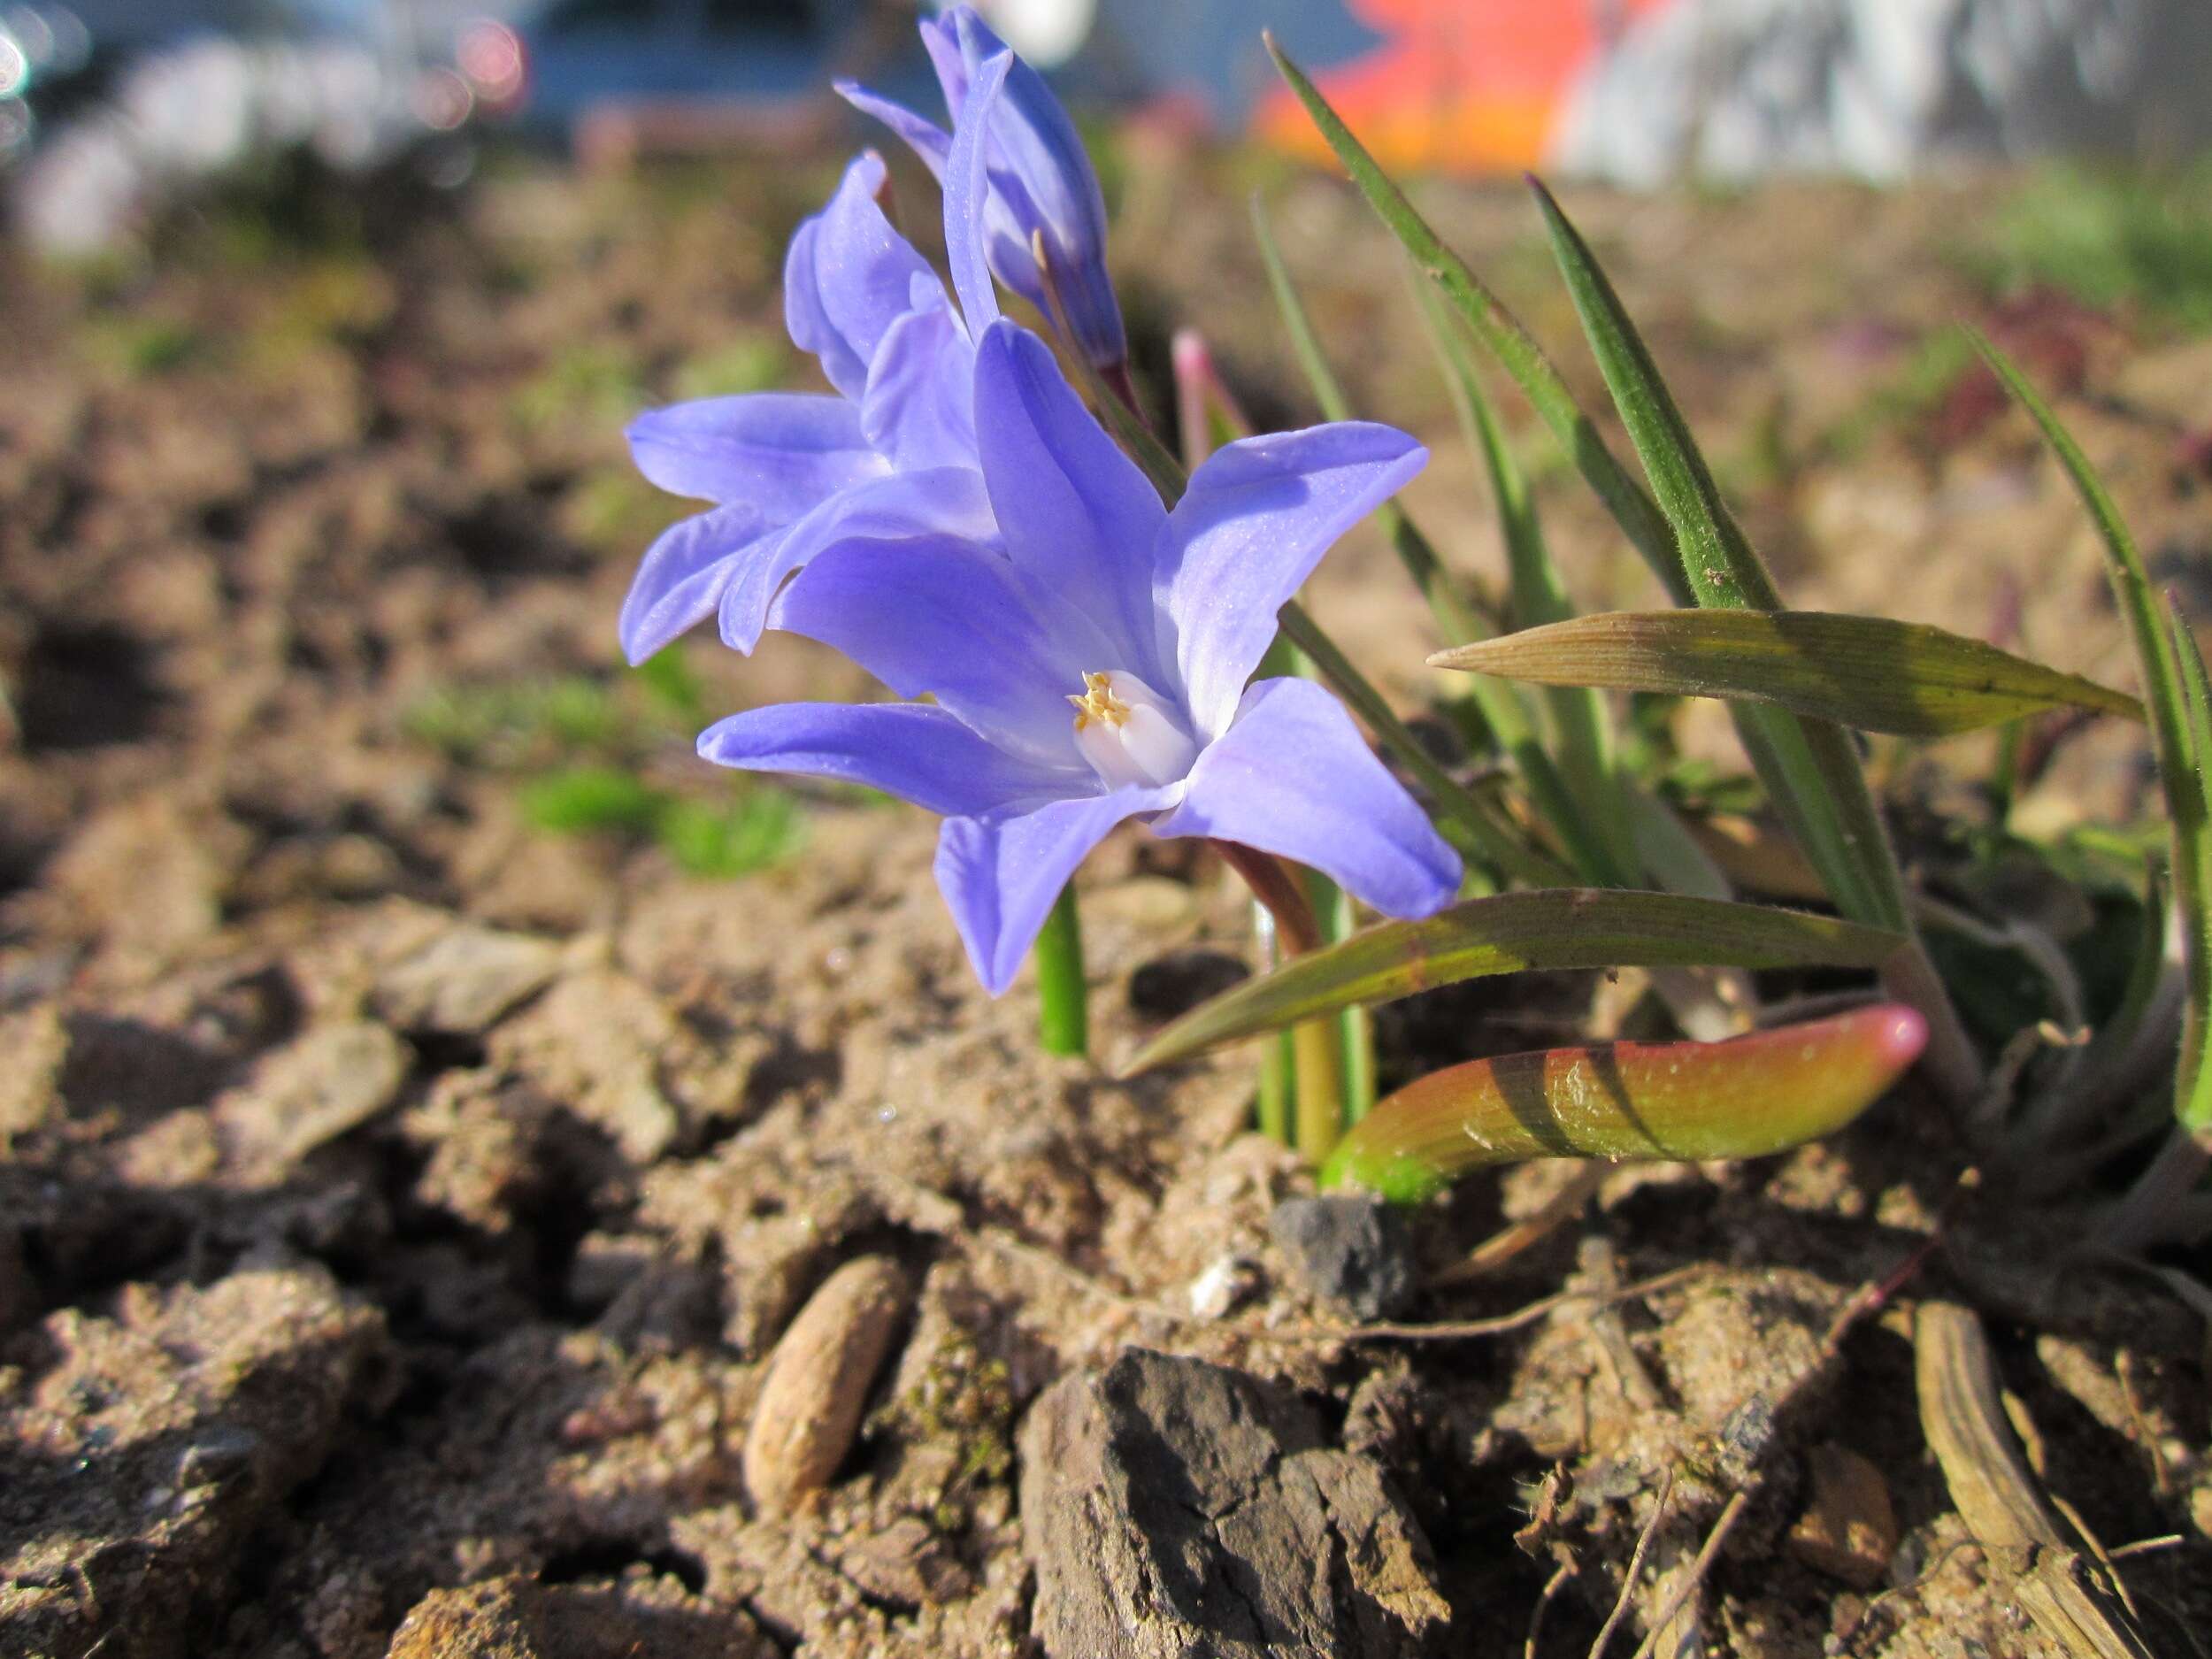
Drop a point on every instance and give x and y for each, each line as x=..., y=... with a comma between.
x=1098, y=703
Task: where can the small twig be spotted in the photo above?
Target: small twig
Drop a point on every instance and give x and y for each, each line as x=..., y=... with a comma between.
x=2145, y=1546
x=1521, y=1319
x=1508, y=1242
x=1615, y=1352
x=1553, y=1586
x=2139, y=1425
x=1730, y=1513
x=1876, y=1295
x=1501, y=1324
x=1635, y=1569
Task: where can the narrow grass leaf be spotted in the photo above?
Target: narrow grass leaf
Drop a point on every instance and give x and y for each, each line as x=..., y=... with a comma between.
x=2167, y=686
x=1581, y=729
x=2193, y=1083
x=1742, y=1098
x=1456, y=619
x=1870, y=672
x=1798, y=762
x=1502, y=334
x=1574, y=927
x=1508, y=717
x=1810, y=767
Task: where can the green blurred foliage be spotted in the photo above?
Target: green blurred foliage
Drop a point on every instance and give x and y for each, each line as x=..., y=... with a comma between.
x=581, y=750
x=2110, y=237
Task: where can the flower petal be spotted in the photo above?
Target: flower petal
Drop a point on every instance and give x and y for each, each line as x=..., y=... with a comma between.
x=847, y=277
x=940, y=39
x=807, y=322
x=1000, y=876
x=919, y=410
x=1293, y=776
x=784, y=452
x=681, y=578
x=942, y=501
x=924, y=137
x=967, y=195
x=1042, y=179
x=950, y=618
x=915, y=752
x=1077, y=516
x=1255, y=520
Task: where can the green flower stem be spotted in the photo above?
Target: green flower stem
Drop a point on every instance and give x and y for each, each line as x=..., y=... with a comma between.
x=1318, y=1048
x=1063, y=1015
x=1275, y=1089
x=1316, y=1045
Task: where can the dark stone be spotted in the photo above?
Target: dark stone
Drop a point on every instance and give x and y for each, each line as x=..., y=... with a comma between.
x=1350, y=1250
x=1176, y=1508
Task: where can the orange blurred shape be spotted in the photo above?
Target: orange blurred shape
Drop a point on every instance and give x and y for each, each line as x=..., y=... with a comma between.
x=1473, y=86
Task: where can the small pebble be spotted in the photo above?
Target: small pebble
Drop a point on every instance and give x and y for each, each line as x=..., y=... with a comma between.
x=1351, y=1250
x=1222, y=1287
x=817, y=1382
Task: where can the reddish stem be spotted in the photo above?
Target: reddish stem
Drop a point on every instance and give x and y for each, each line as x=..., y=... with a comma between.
x=1118, y=381
x=1273, y=885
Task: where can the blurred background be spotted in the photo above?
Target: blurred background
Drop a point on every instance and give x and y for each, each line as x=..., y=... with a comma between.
x=108, y=106
x=323, y=320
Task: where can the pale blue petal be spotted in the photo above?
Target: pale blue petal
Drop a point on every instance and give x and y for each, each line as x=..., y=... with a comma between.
x=915, y=752
x=1292, y=775
x=848, y=277
x=967, y=194
x=681, y=580
x=925, y=138
x=1077, y=515
x=1000, y=876
x=944, y=501
x=1255, y=520
x=1041, y=179
x=784, y=452
x=946, y=618
x=941, y=41
x=919, y=410
x=807, y=323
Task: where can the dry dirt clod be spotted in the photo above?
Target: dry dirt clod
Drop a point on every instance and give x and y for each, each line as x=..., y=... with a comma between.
x=905, y=1565
x=1848, y=1529
x=817, y=1382
x=1171, y=1507
x=136, y=1464
x=464, y=979
x=331, y=1079
x=520, y=1618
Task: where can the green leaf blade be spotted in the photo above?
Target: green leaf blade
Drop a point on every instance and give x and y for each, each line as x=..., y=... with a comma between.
x=1869, y=672
x=2174, y=694
x=1573, y=927
x=2192, y=829
x=1743, y=1098
x=1718, y=563
x=1581, y=796
x=1501, y=333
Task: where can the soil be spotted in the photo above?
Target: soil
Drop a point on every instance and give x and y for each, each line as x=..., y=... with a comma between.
x=400, y=1204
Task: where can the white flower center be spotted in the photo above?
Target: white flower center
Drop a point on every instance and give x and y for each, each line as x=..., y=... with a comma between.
x=1130, y=733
